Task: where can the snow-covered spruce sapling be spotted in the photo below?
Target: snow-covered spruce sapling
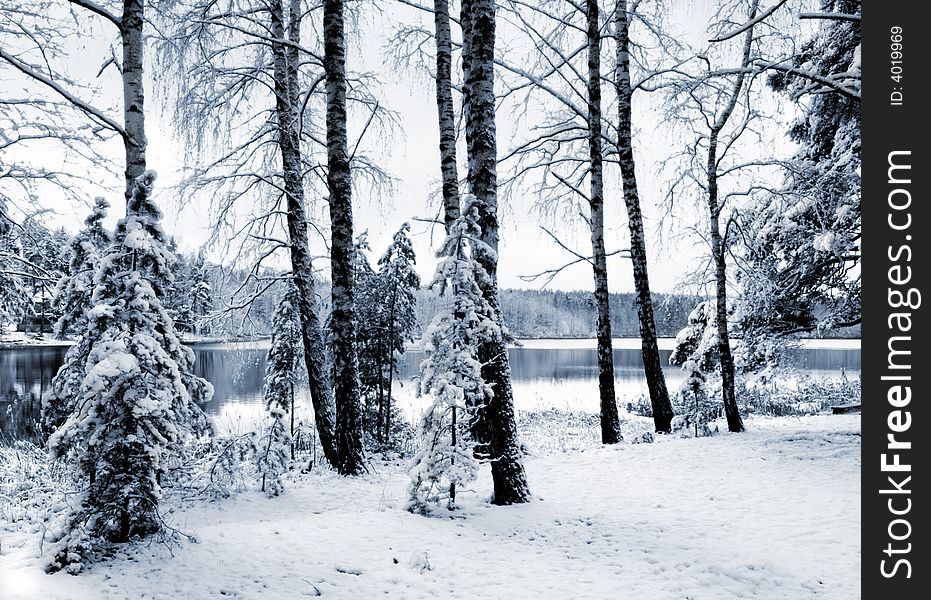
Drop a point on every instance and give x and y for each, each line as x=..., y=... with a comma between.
x=452, y=373
x=285, y=359
x=73, y=297
x=696, y=353
x=137, y=404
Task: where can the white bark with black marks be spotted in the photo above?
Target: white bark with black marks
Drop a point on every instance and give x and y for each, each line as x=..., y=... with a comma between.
x=342, y=247
x=134, y=141
x=718, y=255
x=446, y=112
x=286, y=106
x=496, y=429
x=653, y=369
x=610, y=421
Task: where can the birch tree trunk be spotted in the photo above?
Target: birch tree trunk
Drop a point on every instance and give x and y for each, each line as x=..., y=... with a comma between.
x=496, y=425
x=134, y=142
x=339, y=181
x=446, y=112
x=726, y=358
x=652, y=365
x=610, y=422
x=286, y=106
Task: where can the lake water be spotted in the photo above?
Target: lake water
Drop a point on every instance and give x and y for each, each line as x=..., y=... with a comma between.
x=558, y=374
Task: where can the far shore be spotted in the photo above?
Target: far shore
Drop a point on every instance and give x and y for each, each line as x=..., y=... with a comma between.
x=21, y=341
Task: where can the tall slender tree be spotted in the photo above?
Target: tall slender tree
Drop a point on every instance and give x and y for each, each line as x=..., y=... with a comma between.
x=398, y=278
x=239, y=86
x=652, y=365
x=718, y=243
x=496, y=428
x=286, y=75
x=339, y=182
x=610, y=421
x=446, y=112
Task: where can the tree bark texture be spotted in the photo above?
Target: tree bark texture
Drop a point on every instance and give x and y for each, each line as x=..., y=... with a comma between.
x=342, y=246
x=610, y=421
x=286, y=106
x=446, y=112
x=134, y=142
x=496, y=426
x=652, y=365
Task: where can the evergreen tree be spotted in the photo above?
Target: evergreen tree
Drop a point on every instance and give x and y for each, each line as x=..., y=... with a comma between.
x=802, y=246
x=285, y=358
x=73, y=297
x=200, y=294
x=696, y=351
x=370, y=310
x=452, y=372
x=14, y=299
x=138, y=401
x=398, y=278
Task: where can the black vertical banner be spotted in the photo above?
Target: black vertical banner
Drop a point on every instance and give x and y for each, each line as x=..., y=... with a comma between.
x=896, y=238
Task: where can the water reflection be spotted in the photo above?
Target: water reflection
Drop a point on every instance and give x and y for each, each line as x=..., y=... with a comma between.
x=563, y=378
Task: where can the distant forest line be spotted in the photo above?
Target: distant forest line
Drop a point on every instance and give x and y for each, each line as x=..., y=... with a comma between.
x=572, y=314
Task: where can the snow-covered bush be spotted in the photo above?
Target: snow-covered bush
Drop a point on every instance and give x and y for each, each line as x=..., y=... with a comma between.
x=137, y=402
x=789, y=393
x=451, y=374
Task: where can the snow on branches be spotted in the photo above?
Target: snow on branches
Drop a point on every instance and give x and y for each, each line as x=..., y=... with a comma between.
x=696, y=351
x=73, y=297
x=137, y=403
x=285, y=358
x=452, y=373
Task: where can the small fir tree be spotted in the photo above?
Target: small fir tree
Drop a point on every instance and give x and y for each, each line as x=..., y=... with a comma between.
x=452, y=373
x=696, y=353
x=398, y=278
x=137, y=403
x=285, y=359
x=200, y=294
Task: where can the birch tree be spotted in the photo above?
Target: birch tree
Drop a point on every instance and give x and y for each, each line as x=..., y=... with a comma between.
x=497, y=429
x=656, y=380
x=248, y=95
x=717, y=106
x=339, y=184
x=60, y=111
x=129, y=20
x=610, y=423
x=446, y=112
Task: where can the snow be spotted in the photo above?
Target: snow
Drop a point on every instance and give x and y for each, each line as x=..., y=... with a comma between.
x=729, y=516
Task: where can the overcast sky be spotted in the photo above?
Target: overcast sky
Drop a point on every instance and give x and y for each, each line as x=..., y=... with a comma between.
x=413, y=159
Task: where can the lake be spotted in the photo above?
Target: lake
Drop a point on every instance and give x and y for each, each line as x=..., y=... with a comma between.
x=559, y=374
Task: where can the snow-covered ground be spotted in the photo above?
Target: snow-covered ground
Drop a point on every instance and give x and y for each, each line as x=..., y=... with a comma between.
x=773, y=513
